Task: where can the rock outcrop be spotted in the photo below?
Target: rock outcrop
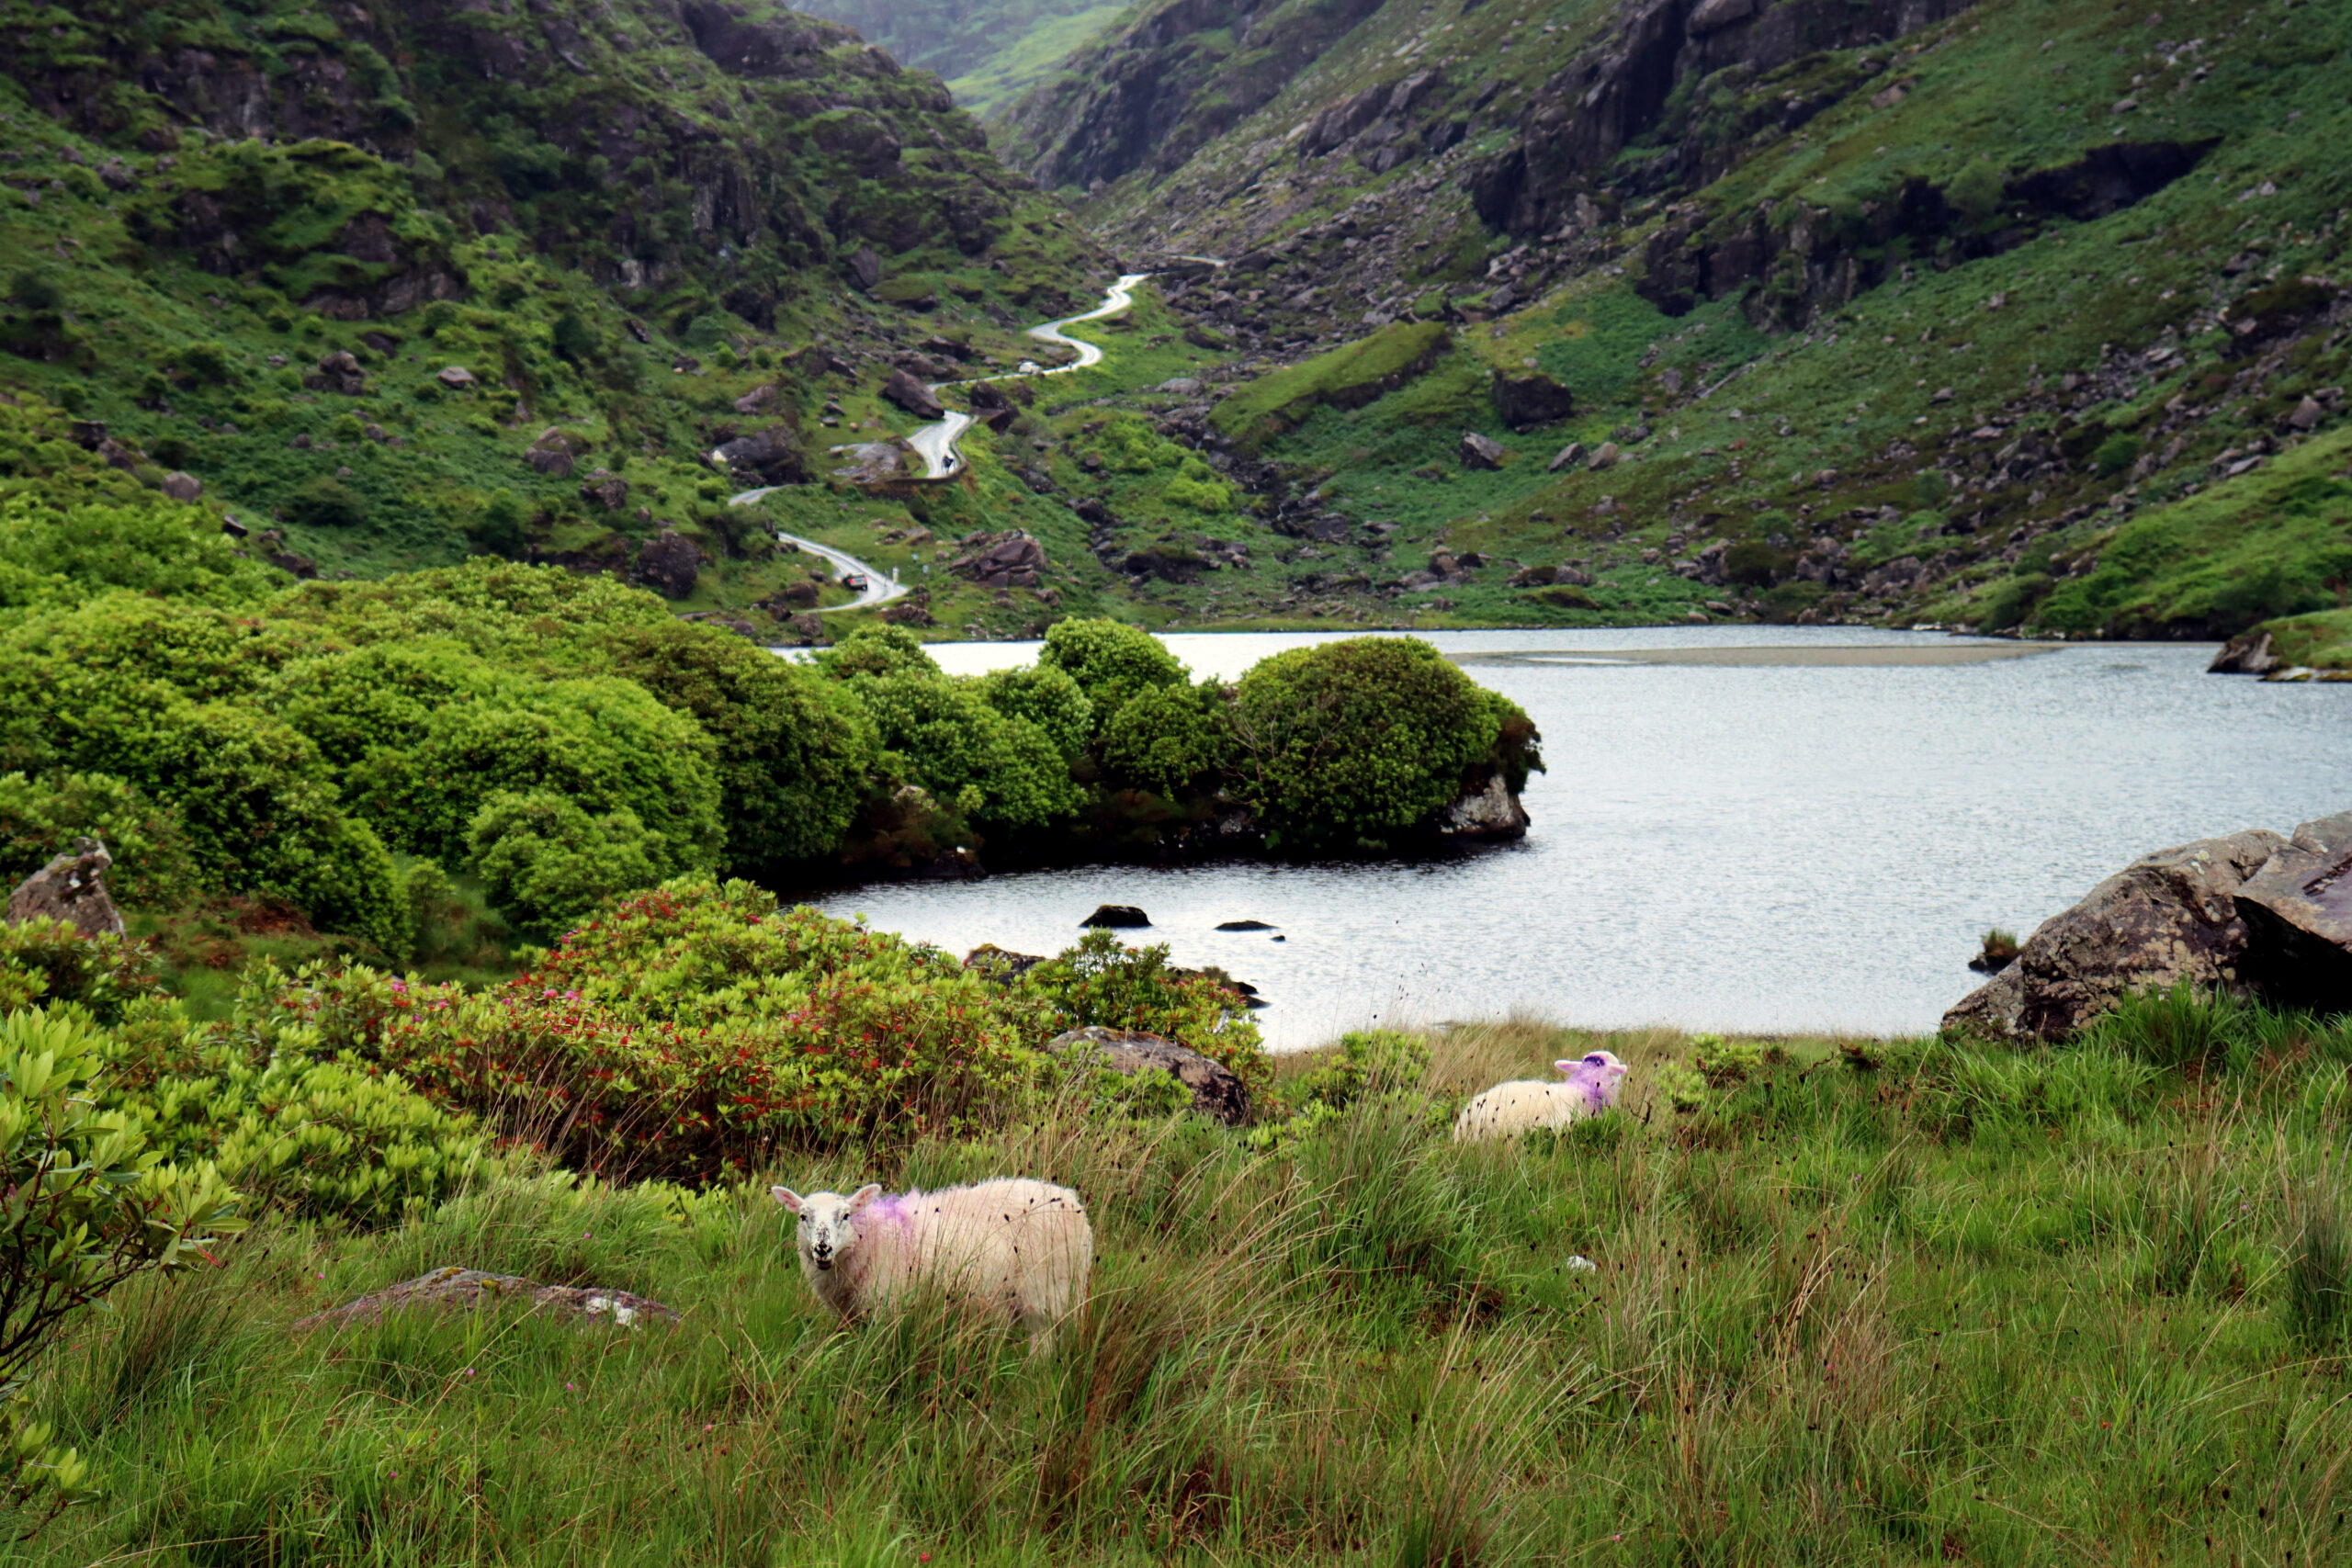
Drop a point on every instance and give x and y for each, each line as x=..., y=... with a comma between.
x=1117, y=917
x=454, y=1288
x=1011, y=559
x=1525, y=402
x=71, y=889
x=2250, y=913
x=1216, y=1090
x=773, y=456
x=670, y=564
x=2298, y=912
x=912, y=396
x=1491, y=811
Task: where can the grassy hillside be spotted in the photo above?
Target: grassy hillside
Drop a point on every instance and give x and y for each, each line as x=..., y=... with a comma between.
x=648, y=235
x=2029, y=317
x=1885, y=1303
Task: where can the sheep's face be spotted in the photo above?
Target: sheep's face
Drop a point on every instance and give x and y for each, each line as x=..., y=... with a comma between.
x=828, y=1222
x=1598, y=1075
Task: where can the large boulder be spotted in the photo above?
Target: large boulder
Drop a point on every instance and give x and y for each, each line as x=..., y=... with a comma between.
x=669, y=563
x=71, y=889
x=1117, y=917
x=466, y=1289
x=2169, y=917
x=912, y=396
x=556, y=452
x=1526, y=402
x=773, y=457
x=1216, y=1091
x=2298, y=913
x=338, y=372
x=1490, y=811
x=1483, y=451
x=1010, y=559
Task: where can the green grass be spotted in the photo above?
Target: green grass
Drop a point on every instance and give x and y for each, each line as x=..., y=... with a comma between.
x=2322, y=641
x=1005, y=75
x=1966, y=1305
x=1347, y=377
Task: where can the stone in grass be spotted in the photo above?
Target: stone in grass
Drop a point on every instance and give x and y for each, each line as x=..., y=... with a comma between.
x=1216, y=1091
x=464, y=1290
x=1482, y=451
x=71, y=889
x=1120, y=916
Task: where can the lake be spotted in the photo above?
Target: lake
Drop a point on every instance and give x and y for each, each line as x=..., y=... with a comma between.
x=1749, y=829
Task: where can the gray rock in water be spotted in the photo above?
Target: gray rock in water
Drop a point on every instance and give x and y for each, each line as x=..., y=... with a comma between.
x=71, y=889
x=2169, y=917
x=2298, y=912
x=465, y=1290
x=1491, y=812
x=2249, y=653
x=1216, y=1091
x=1243, y=925
x=1116, y=915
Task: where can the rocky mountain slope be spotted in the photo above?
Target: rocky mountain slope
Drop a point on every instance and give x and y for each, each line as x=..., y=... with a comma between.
x=988, y=51
x=395, y=284
x=2004, y=314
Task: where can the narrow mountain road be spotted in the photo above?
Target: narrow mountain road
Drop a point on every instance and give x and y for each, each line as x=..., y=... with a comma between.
x=936, y=443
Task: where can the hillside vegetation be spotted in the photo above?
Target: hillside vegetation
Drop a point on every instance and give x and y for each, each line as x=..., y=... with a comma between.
x=2015, y=316
x=1797, y=1300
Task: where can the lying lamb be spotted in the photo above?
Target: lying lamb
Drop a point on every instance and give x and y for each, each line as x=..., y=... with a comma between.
x=1510, y=1108
x=1018, y=1248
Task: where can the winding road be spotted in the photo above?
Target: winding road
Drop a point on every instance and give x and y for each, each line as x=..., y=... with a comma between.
x=936, y=443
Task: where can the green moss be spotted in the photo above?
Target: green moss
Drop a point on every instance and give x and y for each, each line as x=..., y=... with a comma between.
x=1348, y=376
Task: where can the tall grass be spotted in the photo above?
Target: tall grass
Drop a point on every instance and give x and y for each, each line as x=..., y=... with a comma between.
x=1963, y=1306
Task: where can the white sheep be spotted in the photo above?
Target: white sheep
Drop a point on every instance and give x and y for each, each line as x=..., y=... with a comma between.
x=1016, y=1248
x=1510, y=1108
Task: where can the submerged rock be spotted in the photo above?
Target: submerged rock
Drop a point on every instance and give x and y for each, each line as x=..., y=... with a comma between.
x=1117, y=916
x=71, y=889
x=1216, y=1091
x=464, y=1290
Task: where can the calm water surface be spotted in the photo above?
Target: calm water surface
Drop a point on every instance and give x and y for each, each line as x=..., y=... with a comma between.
x=1738, y=848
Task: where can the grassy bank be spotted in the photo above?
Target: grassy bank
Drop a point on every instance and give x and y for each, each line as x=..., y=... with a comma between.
x=2074, y=1304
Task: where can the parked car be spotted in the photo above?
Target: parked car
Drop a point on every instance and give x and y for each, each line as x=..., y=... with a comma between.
x=856, y=581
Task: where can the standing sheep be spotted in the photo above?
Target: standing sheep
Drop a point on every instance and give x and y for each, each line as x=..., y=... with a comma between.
x=1017, y=1248
x=1510, y=1108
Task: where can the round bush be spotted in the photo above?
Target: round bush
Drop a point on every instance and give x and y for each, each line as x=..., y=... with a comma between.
x=1361, y=739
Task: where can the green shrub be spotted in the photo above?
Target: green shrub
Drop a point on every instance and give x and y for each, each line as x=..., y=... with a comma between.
x=384, y=696
x=1104, y=982
x=695, y=1030
x=90, y=1205
x=51, y=962
x=326, y=502
x=1370, y=1061
x=793, y=750
x=875, y=650
x=2116, y=454
x=153, y=864
x=1978, y=190
x=603, y=743
x=546, y=863
x=52, y=554
x=1112, y=662
x=261, y=1098
x=1047, y=697
x=1361, y=739
x=1173, y=740
x=938, y=733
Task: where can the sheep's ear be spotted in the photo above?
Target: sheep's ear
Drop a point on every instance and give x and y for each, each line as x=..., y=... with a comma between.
x=789, y=1199
x=864, y=1195
x=1565, y=1066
